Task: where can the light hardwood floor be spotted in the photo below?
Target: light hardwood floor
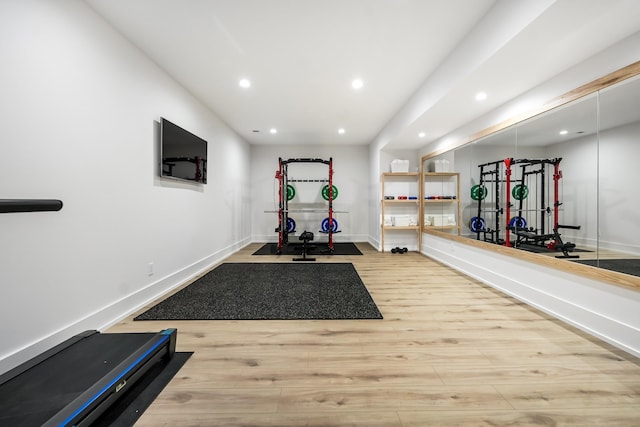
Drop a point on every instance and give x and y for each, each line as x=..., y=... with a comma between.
x=450, y=351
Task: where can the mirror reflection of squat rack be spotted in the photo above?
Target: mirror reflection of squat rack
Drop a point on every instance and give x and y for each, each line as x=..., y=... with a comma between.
x=533, y=180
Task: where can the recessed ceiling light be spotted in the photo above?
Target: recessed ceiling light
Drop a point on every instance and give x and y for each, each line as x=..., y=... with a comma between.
x=481, y=96
x=422, y=135
x=357, y=84
x=245, y=83
x=341, y=131
x=564, y=132
x=273, y=130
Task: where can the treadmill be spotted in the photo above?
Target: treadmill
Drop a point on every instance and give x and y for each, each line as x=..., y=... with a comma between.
x=73, y=383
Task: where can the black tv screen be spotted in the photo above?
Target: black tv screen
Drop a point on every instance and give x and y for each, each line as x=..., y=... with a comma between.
x=183, y=154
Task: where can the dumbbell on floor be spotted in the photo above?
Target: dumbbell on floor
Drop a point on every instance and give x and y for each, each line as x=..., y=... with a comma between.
x=398, y=250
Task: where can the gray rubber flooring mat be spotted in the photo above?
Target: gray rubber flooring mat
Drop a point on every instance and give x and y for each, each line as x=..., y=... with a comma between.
x=252, y=291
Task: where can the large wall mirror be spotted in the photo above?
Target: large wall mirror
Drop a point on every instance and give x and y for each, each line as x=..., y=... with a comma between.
x=562, y=184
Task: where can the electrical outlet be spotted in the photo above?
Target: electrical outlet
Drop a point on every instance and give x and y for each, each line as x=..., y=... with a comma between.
x=150, y=270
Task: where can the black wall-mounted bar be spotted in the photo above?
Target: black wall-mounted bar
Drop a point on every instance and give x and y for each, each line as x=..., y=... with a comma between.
x=29, y=205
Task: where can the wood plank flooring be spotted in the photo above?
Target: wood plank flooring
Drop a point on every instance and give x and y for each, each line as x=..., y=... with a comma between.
x=450, y=351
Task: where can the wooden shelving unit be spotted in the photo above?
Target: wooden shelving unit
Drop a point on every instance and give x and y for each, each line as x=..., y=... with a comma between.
x=400, y=184
x=441, y=201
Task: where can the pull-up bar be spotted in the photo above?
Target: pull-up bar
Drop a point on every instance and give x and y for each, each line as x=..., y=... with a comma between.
x=306, y=160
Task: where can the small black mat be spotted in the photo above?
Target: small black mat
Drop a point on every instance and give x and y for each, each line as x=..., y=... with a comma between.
x=295, y=248
x=129, y=407
x=626, y=266
x=252, y=291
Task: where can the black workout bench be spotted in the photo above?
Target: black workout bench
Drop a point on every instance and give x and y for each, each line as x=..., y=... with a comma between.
x=533, y=238
x=306, y=237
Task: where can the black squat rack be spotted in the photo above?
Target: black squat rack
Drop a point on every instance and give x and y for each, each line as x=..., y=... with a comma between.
x=284, y=223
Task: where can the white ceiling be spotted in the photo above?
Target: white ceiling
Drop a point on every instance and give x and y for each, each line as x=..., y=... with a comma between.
x=421, y=61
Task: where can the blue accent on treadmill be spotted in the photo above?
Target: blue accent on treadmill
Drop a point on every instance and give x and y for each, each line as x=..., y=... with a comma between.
x=115, y=380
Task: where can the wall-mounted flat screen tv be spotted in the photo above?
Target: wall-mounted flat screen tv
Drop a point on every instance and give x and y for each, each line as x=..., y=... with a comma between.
x=183, y=154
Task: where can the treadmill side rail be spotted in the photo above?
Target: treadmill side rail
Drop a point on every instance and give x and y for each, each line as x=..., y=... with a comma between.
x=121, y=359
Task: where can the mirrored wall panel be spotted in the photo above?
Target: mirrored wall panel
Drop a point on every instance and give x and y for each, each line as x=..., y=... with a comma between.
x=562, y=184
x=619, y=177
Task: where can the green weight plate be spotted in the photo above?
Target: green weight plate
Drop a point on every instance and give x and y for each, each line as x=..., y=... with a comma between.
x=479, y=192
x=520, y=192
x=291, y=192
x=325, y=192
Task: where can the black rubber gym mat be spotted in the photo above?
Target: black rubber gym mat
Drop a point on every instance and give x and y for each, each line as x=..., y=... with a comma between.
x=245, y=291
x=295, y=248
x=627, y=266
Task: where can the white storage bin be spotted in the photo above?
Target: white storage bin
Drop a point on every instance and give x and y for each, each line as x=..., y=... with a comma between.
x=399, y=166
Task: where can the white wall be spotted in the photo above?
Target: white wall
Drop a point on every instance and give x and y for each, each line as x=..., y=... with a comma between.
x=618, y=201
x=79, y=112
x=579, y=189
x=388, y=155
x=373, y=191
x=351, y=171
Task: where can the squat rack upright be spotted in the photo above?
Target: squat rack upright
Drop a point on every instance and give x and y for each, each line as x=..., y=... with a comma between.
x=541, y=236
x=283, y=200
x=490, y=173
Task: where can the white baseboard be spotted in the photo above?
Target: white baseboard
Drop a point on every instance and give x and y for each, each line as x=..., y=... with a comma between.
x=154, y=291
x=620, y=247
x=375, y=243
